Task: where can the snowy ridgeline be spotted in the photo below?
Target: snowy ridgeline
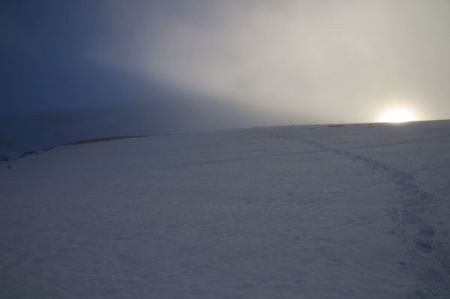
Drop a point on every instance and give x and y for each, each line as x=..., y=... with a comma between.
x=284, y=212
x=39, y=130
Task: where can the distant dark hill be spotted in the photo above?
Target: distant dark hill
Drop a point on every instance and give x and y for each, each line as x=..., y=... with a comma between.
x=35, y=131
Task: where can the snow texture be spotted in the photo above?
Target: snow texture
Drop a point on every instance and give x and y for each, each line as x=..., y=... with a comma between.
x=354, y=211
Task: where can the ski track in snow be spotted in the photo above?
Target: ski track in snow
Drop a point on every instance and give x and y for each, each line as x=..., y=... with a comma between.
x=411, y=227
x=213, y=233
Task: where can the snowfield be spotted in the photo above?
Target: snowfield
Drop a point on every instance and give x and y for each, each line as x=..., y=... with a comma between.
x=354, y=211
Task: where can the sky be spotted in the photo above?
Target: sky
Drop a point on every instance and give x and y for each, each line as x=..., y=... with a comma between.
x=329, y=61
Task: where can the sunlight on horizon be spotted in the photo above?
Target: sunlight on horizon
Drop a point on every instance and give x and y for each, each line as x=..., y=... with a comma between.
x=397, y=115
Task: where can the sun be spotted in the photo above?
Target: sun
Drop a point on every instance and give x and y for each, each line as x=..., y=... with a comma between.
x=397, y=115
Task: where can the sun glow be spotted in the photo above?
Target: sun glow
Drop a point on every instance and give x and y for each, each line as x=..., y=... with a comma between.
x=397, y=115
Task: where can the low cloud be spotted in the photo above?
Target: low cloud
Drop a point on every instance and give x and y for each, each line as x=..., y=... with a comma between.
x=335, y=60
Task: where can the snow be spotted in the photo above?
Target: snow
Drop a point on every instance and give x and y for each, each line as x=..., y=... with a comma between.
x=354, y=211
x=39, y=130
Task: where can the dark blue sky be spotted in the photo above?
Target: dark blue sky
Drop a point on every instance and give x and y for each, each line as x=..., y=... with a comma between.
x=43, y=59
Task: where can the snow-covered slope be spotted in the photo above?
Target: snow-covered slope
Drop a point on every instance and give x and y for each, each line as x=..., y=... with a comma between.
x=39, y=130
x=357, y=211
